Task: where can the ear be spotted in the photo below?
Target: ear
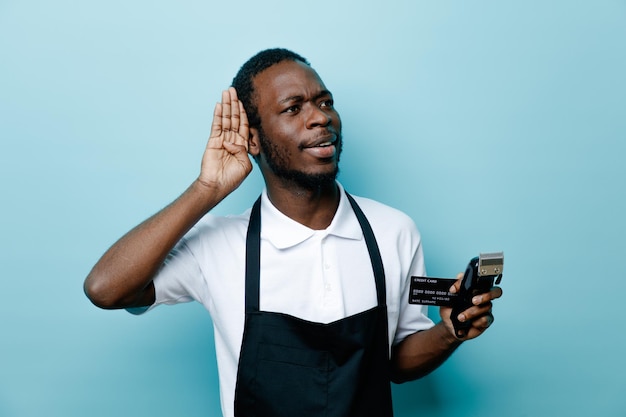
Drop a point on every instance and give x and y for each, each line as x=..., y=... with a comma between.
x=254, y=145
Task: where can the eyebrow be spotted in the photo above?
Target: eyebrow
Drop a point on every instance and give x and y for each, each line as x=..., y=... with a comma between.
x=301, y=98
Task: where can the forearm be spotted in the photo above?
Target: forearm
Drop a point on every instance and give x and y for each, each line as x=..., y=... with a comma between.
x=122, y=275
x=421, y=353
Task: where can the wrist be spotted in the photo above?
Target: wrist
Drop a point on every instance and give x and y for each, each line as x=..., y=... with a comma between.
x=447, y=335
x=203, y=196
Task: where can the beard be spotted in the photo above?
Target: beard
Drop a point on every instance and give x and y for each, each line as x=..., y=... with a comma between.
x=277, y=159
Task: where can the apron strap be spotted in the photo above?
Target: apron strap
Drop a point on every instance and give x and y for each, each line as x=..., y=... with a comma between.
x=374, y=251
x=253, y=256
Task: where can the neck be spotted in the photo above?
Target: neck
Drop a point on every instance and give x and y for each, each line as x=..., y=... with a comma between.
x=313, y=208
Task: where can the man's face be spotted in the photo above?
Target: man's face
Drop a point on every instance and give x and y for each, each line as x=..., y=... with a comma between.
x=300, y=132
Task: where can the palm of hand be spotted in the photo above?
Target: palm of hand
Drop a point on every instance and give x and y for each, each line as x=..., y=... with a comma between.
x=225, y=163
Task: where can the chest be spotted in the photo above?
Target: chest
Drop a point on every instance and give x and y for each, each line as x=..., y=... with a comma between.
x=322, y=279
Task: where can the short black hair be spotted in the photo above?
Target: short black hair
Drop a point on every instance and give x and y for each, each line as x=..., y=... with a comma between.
x=243, y=81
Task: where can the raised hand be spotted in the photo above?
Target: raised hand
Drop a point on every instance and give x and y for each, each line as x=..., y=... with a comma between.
x=123, y=277
x=225, y=163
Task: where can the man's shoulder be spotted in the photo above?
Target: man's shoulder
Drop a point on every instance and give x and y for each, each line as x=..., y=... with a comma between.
x=216, y=225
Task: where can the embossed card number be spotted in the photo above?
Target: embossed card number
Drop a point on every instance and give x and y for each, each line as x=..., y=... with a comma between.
x=432, y=291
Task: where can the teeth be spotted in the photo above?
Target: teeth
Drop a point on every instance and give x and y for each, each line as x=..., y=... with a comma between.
x=323, y=145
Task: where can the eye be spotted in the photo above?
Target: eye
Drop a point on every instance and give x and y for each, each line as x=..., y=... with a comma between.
x=327, y=103
x=292, y=109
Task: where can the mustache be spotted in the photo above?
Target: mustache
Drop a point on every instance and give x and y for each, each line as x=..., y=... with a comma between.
x=327, y=137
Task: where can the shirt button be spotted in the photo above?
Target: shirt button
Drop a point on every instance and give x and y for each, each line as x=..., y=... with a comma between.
x=326, y=266
x=327, y=287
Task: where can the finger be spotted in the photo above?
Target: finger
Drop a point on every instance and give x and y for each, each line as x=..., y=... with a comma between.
x=456, y=287
x=238, y=151
x=495, y=292
x=226, y=111
x=484, y=322
x=474, y=312
x=234, y=110
x=244, y=128
x=216, y=126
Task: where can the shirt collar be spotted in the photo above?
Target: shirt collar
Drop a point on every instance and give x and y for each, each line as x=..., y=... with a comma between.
x=283, y=232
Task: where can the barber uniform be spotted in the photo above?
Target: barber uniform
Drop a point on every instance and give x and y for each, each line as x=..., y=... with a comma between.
x=290, y=367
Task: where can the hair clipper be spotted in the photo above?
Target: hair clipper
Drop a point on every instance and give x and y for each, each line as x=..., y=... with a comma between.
x=478, y=278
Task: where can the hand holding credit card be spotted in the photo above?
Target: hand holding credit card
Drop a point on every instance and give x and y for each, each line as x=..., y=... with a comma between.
x=478, y=278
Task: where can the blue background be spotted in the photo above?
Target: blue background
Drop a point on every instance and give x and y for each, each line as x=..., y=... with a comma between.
x=495, y=125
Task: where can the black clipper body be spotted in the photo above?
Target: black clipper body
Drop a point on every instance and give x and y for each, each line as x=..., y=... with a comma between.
x=478, y=278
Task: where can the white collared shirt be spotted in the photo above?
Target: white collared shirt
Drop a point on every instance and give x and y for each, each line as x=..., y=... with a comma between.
x=317, y=275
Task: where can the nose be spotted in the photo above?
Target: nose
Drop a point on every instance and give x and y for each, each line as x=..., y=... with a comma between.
x=317, y=117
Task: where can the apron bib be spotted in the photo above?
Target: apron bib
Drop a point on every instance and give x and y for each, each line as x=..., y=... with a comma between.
x=289, y=367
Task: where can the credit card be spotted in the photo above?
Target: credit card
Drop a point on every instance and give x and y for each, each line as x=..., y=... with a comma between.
x=432, y=291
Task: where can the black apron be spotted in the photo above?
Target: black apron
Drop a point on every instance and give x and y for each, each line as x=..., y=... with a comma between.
x=289, y=367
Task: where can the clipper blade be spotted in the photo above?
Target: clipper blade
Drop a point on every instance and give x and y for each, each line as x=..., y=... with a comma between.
x=490, y=264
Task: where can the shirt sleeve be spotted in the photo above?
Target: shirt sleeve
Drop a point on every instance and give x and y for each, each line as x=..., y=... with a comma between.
x=412, y=317
x=179, y=279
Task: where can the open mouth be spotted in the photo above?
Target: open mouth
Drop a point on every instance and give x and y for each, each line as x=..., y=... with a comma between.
x=321, y=142
x=323, y=150
x=324, y=144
